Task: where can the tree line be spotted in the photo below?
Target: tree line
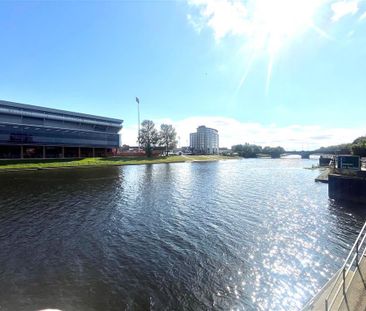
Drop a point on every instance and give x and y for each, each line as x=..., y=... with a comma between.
x=357, y=147
x=149, y=137
x=253, y=151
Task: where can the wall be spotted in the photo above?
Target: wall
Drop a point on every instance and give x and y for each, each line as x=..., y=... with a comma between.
x=348, y=188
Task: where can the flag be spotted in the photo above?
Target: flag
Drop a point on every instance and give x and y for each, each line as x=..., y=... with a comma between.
x=137, y=100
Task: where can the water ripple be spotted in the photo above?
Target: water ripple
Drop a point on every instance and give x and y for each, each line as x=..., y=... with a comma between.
x=233, y=235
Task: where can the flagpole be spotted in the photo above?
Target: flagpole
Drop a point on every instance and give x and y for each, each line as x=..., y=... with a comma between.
x=138, y=118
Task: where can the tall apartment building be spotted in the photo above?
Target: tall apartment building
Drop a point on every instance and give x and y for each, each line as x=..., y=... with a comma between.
x=204, y=141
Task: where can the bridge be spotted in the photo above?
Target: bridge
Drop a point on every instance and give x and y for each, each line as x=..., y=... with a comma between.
x=306, y=154
x=303, y=154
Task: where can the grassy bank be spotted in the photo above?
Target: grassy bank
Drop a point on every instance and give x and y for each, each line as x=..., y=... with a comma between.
x=28, y=164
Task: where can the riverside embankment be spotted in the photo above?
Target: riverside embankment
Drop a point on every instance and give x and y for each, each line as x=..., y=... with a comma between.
x=348, y=185
x=39, y=164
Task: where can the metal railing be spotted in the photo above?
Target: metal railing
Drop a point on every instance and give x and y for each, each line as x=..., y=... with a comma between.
x=341, y=283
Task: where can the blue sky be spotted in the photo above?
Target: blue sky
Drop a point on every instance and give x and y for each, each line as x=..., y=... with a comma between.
x=288, y=72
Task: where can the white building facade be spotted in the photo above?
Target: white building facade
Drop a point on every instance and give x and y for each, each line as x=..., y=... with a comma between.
x=204, y=141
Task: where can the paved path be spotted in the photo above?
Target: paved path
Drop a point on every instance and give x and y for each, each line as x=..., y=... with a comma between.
x=356, y=294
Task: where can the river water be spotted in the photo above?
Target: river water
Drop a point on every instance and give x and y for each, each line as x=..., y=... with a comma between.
x=237, y=234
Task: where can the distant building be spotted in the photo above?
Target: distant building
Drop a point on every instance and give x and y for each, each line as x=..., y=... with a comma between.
x=204, y=141
x=28, y=131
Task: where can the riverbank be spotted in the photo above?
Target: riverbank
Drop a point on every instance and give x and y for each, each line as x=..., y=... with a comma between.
x=39, y=164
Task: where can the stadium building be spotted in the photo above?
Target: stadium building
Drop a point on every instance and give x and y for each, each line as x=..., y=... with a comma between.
x=28, y=131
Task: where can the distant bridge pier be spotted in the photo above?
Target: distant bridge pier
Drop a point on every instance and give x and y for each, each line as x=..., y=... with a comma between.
x=305, y=155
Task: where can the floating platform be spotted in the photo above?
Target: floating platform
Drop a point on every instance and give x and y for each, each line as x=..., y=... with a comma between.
x=323, y=177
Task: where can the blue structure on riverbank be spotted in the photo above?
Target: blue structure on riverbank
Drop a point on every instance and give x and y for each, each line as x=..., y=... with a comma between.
x=347, y=181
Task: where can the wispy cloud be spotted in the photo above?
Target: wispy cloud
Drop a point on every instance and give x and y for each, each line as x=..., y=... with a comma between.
x=197, y=25
x=233, y=132
x=343, y=8
x=268, y=23
x=362, y=17
x=223, y=17
x=261, y=17
x=264, y=27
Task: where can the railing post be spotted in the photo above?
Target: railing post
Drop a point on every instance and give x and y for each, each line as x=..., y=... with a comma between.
x=357, y=242
x=344, y=281
x=326, y=304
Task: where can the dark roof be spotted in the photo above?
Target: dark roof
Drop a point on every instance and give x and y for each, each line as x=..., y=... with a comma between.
x=209, y=128
x=58, y=111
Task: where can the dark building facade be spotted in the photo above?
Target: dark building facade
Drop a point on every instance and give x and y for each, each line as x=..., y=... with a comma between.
x=28, y=131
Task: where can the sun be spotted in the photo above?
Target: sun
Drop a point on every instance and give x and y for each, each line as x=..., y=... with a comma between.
x=265, y=27
x=275, y=23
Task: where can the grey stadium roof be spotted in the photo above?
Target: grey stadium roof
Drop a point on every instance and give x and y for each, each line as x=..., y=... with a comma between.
x=58, y=111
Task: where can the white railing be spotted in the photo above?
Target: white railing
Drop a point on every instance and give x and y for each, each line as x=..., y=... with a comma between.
x=341, y=283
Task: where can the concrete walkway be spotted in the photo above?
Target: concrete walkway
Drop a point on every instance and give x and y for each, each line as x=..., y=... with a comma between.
x=355, y=299
x=356, y=295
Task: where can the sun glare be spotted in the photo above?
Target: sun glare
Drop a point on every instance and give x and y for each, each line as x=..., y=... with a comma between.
x=275, y=23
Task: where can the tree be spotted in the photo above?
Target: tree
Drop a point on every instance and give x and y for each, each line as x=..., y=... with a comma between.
x=274, y=152
x=337, y=149
x=148, y=136
x=247, y=150
x=167, y=137
x=252, y=151
x=359, y=146
x=360, y=140
x=359, y=149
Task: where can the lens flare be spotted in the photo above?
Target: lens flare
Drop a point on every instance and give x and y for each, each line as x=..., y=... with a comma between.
x=266, y=26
